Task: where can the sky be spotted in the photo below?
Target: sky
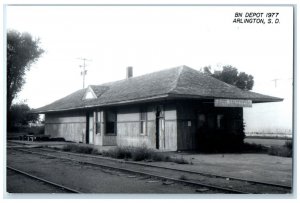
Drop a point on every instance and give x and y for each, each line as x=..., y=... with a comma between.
x=155, y=38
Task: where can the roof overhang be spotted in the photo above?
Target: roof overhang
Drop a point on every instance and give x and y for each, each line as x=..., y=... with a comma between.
x=117, y=103
x=157, y=98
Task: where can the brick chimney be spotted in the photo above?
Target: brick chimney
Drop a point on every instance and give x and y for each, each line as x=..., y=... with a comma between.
x=129, y=72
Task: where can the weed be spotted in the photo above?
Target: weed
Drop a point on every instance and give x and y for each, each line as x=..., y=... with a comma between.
x=126, y=153
x=180, y=160
x=118, y=153
x=136, y=154
x=80, y=149
x=183, y=177
x=141, y=153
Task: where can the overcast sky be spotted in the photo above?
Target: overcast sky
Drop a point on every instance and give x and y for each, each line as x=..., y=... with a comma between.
x=149, y=39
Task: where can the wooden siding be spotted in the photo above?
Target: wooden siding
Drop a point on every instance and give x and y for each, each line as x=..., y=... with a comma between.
x=186, y=138
x=72, y=127
x=128, y=128
x=169, y=138
x=69, y=125
x=187, y=128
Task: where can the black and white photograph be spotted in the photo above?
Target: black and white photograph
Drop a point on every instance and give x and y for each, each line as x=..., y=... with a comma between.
x=149, y=99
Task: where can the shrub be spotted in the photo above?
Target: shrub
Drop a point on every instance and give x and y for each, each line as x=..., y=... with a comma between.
x=140, y=154
x=285, y=151
x=280, y=151
x=132, y=153
x=118, y=153
x=254, y=148
x=288, y=144
x=33, y=130
x=156, y=156
x=80, y=149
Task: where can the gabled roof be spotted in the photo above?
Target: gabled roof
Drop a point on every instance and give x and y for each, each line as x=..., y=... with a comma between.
x=178, y=82
x=89, y=94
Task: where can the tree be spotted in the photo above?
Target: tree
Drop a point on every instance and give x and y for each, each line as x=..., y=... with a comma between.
x=230, y=75
x=22, y=52
x=19, y=114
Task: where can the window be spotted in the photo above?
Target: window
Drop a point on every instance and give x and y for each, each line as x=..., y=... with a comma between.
x=210, y=121
x=201, y=120
x=98, y=123
x=143, y=120
x=160, y=111
x=89, y=94
x=111, y=119
x=220, y=121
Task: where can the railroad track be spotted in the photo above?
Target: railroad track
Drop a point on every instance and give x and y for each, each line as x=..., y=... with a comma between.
x=64, y=188
x=212, y=181
x=174, y=169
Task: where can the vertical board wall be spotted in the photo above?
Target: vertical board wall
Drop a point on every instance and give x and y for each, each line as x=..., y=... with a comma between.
x=69, y=125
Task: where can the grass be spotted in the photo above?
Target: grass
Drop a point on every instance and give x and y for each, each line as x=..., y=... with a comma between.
x=285, y=151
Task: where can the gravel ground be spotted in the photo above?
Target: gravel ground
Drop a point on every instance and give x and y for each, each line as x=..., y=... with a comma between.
x=259, y=167
x=18, y=183
x=87, y=179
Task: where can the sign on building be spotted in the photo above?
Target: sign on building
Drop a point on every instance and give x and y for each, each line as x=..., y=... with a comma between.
x=232, y=103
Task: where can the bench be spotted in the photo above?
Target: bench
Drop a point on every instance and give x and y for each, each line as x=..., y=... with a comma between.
x=34, y=137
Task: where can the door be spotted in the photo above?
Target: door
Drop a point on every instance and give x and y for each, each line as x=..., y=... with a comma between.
x=91, y=128
x=162, y=138
x=160, y=129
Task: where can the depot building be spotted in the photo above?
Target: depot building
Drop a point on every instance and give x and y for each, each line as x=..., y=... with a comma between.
x=173, y=109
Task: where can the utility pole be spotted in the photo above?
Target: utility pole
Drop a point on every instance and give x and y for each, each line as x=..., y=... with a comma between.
x=275, y=81
x=84, y=71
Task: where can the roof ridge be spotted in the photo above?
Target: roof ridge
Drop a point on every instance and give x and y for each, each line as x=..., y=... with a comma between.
x=179, y=71
x=146, y=74
x=177, y=82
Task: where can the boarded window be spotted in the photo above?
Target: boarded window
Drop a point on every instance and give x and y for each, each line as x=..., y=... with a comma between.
x=143, y=120
x=111, y=121
x=98, y=123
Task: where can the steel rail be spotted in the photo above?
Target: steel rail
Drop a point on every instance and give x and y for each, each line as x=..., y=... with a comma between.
x=140, y=173
x=174, y=169
x=42, y=180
